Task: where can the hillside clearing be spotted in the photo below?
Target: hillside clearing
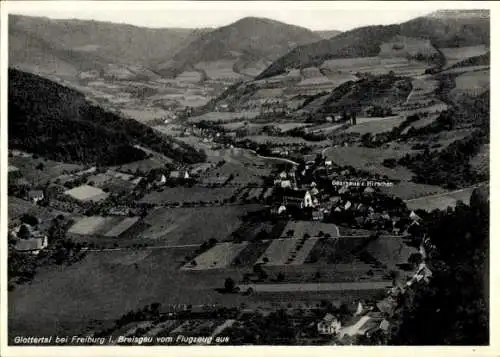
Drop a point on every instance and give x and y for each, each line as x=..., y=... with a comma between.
x=193, y=225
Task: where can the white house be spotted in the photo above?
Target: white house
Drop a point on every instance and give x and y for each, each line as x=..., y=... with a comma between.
x=308, y=199
x=328, y=163
x=359, y=309
x=286, y=183
x=414, y=217
x=161, y=179
x=329, y=325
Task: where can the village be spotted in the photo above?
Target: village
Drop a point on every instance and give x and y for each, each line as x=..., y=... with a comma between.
x=315, y=230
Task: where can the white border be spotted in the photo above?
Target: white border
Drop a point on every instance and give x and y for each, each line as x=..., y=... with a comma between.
x=234, y=351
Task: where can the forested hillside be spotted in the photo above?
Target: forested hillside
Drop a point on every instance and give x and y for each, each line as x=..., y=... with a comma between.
x=59, y=123
x=366, y=41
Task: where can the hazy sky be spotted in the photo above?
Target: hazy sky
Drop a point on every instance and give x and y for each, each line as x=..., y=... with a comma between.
x=313, y=15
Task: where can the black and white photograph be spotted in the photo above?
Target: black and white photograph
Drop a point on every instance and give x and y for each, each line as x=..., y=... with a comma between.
x=245, y=174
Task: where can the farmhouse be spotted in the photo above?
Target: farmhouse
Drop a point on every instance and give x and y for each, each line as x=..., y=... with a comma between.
x=35, y=195
x=423, y=273
x=329, y=325
x=286, y=183
x=278, y=210
x=28, y=239
x=298, y=198
x=161, y=179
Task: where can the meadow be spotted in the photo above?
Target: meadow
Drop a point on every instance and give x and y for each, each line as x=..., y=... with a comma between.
x=222, y=116
x=218, y=257
x=188, y=194
x=454, y=55
x=219, y=70
x=441, y=201
x=39, y=171
x=185, y=226
x=472, y=83
x=369, y=159
x=105, y=285
x=375, y=125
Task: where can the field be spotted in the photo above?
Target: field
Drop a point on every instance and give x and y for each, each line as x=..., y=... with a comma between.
x=421, y=123
x=336, y=251
x=66, y=299
x=106, y=226
x=50, y=170
x=472, y=83
x=193, y=225
x=285, y=140
x=461, y=70
x=374, y=65
x=146, y=115
x=188, y=194
x=407, y=190
x=251, y=253
x=284, y=127
x=314, y=297
x=323, y=128
x=122, y=227
x=222, y=116
x=246, y=168
x=279, y=252
x=440, y=201
x=87, y=193
x=265, y=93
x=189, y=77
x=369, y=159
x=375, y=125
x=390, y=251
x=458, y=54
x=217, y=257
x=240, y=124
x=219, y=70
x=313, y=287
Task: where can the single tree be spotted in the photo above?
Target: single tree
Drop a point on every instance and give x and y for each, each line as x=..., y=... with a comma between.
x=229, y=284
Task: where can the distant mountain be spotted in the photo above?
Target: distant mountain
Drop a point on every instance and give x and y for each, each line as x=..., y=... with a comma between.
x=58, y=123
x=43, y=45
x=246, y=42
x=441, y=29
x=328, y=33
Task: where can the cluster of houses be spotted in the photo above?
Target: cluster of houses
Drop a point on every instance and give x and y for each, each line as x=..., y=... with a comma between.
x=364, y=321
x=339, y=196
x=28, y=239
x=370, y=318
